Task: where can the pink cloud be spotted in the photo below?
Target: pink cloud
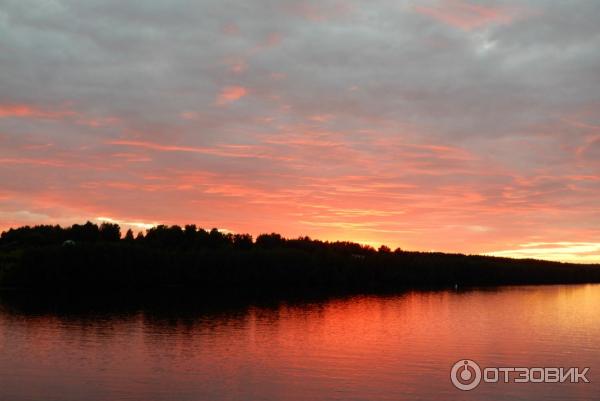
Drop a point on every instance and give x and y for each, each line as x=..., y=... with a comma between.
x=321, y=118
x=274, y=39
x=64, y=113
x=224, y=150
x=230, y=29
x=466, y=16
x=25, y=111
x=230, y=94
x=32, y=161
x=188, y=115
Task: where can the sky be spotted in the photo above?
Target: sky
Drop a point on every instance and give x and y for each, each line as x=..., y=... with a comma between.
x=435, y=125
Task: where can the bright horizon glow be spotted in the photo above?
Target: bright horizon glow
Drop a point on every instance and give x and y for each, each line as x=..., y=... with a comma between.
x=453, y=125
x=582, y=252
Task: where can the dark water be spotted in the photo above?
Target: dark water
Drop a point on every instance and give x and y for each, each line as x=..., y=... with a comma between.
x=397, y=347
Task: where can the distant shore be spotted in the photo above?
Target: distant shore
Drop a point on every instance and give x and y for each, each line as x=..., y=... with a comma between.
x=95, y=258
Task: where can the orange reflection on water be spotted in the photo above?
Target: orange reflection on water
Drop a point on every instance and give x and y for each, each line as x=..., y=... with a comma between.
x=366, y=347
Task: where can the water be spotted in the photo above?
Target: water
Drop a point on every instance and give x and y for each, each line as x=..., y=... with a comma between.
x=398, y=347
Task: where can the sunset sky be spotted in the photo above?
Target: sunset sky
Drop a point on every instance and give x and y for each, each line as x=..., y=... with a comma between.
x=445, y=125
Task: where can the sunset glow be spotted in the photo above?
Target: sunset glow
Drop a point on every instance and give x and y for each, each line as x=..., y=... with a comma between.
x=444, y=125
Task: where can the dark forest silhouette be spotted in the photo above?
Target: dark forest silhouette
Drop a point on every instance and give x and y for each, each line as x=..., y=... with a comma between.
x=92, y=257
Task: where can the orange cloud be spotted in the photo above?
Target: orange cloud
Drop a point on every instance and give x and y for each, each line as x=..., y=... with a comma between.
x=230, y=94
x=226, y=150
x=33, y=161
x=466, y=16
x=24, y=111
x=15, y=111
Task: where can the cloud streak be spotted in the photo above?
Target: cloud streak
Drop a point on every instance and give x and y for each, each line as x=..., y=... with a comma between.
x=25, y=111
x=467, y=15
x=230, y=94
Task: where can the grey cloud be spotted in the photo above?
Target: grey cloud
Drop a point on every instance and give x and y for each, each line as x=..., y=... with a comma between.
x=153, y=70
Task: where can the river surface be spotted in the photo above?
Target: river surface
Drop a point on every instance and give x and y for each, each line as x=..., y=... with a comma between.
x=390, y=347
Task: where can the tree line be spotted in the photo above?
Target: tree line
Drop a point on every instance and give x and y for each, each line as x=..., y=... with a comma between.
x=98, y=257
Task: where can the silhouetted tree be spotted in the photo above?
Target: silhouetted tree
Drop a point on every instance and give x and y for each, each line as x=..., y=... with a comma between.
x=129, y=236
x=109, y=232
x=217, y=239
x=384, y=249
x=267, y=241
x=202, y=238
x=242, y=241
x=189, y=233
x=165, y=236
x=88, y=232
